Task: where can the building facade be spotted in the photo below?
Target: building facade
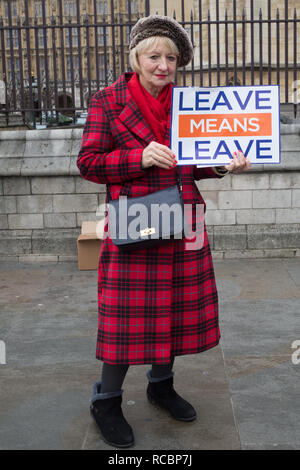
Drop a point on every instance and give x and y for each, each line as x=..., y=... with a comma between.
x=57, y=53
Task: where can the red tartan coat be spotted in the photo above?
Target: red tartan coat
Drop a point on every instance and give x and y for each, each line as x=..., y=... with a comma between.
x=152, y=303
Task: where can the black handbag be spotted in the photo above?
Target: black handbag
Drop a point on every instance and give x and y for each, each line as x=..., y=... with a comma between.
x=161, y=218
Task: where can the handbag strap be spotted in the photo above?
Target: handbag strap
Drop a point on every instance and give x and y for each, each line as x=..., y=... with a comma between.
x=179, y=182
x=180, y=177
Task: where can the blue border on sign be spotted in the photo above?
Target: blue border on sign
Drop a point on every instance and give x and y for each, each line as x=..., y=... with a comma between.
x=170, y=143
x=248, y=86
x=279, y=135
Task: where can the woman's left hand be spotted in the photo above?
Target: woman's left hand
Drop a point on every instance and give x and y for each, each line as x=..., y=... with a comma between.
x=239, y=163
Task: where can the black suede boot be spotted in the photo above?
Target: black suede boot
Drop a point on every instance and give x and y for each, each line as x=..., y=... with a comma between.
x=107, y=412
x=160, y=391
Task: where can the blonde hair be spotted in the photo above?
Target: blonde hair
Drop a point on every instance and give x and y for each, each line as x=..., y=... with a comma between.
x=145, y=45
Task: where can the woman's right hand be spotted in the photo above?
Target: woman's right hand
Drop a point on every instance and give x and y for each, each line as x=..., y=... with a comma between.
x=158, y=155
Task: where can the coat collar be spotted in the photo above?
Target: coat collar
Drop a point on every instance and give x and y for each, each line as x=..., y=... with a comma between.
x=130, y=115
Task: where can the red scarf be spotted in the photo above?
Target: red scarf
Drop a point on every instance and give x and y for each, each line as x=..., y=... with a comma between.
x=154, y=110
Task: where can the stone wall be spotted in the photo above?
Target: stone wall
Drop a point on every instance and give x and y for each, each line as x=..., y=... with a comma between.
x=43, y=200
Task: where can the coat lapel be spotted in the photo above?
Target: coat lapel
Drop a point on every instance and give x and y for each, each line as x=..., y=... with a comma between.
x=134, y=121
x=130, y=115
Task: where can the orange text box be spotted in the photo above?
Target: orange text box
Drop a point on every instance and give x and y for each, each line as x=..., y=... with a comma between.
x=226, y=125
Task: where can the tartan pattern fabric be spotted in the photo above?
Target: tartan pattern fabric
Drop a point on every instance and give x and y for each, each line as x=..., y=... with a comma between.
x=152, y=303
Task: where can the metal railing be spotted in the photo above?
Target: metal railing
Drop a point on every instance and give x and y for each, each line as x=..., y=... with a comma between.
x=51, y=64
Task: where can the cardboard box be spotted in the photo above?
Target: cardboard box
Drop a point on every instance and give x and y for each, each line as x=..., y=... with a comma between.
x=89, y=244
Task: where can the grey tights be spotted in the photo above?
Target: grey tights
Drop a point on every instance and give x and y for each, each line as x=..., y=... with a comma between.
x=113, y=375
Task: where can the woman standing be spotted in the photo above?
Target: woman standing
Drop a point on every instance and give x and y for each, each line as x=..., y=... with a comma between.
x=157, y=303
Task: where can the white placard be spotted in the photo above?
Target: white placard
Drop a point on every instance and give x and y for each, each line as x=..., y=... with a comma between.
x=209, y=124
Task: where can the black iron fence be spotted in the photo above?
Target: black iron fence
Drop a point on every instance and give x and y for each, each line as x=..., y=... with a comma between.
x=53, y=58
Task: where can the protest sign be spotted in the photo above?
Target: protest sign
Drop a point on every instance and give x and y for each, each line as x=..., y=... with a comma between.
x=209, y=124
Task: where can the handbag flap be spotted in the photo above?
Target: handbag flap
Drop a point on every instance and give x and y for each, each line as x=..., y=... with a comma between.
x=158, y=215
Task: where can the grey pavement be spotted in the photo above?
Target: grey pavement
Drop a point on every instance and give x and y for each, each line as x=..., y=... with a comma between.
x=245, y=391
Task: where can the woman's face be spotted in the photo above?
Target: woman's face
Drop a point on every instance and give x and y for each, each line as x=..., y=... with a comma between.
x=157, y=67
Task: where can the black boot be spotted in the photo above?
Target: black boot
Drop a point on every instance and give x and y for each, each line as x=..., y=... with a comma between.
x=160, y=391
x=107, y=412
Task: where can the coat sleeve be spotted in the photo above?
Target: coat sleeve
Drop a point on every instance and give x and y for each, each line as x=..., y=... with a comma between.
x=202, y=173
x=97, y=160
